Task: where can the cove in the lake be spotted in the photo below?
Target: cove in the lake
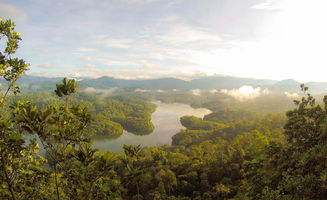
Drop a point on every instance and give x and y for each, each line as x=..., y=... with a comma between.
x=166, y=123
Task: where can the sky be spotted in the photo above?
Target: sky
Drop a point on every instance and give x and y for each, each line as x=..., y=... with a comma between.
x=142, y=39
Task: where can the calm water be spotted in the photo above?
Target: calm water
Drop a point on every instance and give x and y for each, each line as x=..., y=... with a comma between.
x=166, y=123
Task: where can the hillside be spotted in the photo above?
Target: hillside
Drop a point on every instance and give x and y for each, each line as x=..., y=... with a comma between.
x=30, y=83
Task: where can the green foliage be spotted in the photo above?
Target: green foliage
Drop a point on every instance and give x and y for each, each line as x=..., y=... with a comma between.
x=20, y=165
x=105, y=126
x=10, y=68
x=66, y=88
x=296, y=170
x=21, y=173
x=73, y=170
x=228, y=116
x=136, y=125
x=195, y=123
x=110, y=115
x=229, y=106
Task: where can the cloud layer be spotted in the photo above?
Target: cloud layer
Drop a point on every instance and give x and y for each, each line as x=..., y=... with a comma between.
x=246, y=92
x=8, y=11
x=152, y=38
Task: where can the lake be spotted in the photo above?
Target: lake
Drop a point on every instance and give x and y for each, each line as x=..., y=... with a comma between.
x=166, y=123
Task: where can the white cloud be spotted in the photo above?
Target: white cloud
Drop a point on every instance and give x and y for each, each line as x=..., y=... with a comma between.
x=196, y=92
x=42, y=52
x=46, y=65
x=88, y=58
x=291, y=95
x=103, y=92
x=214, y=91
x=117, y=43
x=266, y=91
x=266, y=5
x=142, y=90
x=288, y=41
x=141, y=2
x=169, y=45
x=8, y=11
x=118, y=63
x=146, y=65
x=90, y=67
x=84, y=49
x=143, y=63
x=246, y=92
x=291, y=42
x=90, y=70
x=183, y=33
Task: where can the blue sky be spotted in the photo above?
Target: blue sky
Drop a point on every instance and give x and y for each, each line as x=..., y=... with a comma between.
x=275, y=39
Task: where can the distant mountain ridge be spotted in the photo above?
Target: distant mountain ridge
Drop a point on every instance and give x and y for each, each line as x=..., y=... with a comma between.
x=31, y=84
x=206, y=83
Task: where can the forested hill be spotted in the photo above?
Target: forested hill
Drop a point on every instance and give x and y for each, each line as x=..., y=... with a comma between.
x=31, y=83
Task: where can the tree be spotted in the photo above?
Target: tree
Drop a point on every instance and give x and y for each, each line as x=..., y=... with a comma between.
x=20, y=165
x=67, y=87
x=297, y=170
x=10, y=68
x=78, y=171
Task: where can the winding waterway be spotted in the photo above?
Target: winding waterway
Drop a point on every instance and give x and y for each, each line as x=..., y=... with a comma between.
x=166, y=123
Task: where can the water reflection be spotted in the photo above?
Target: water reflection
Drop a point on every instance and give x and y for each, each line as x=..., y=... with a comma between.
x=166, y=123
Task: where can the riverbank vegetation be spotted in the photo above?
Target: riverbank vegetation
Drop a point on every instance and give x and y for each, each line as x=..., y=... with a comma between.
x=111, y=115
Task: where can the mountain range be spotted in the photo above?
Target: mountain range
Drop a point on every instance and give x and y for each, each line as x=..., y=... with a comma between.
x=31, y=84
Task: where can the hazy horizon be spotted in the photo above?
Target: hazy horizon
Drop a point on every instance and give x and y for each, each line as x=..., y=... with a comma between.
x=72, y=76
x=186, y=39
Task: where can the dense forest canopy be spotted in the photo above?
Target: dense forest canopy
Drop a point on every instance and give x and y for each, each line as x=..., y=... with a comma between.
x=110, y=115
x=231, y=153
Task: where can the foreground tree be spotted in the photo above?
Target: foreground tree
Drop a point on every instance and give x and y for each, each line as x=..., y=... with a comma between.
x=72, y=170
x=21, y=172
x=297, y=170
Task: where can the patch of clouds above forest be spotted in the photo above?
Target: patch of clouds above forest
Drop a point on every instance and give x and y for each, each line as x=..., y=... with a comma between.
x=246, y=92
x=196, y=92
x=291, y=95
x=214, y=91
x=142, y=90
x=103, y=92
